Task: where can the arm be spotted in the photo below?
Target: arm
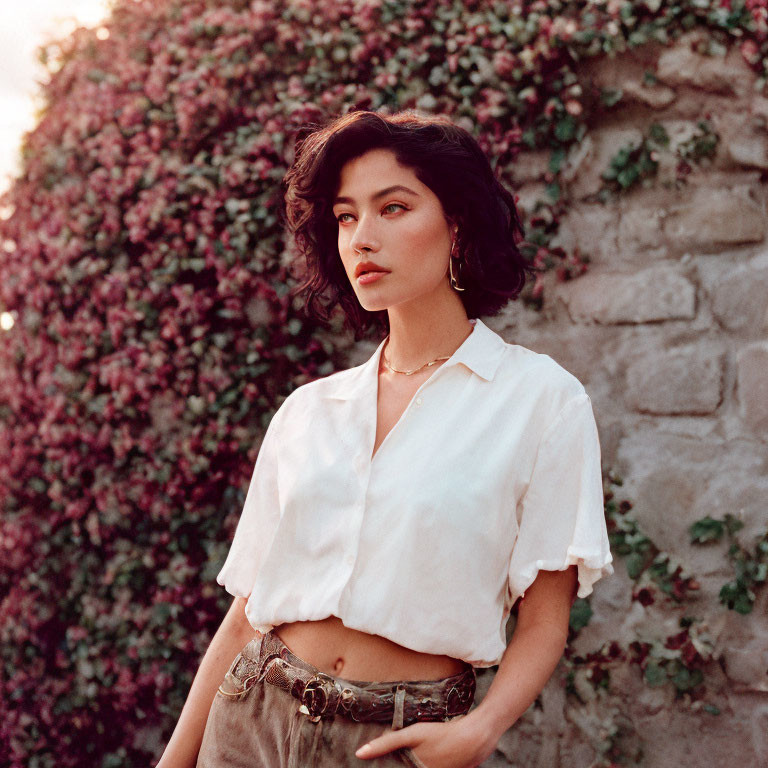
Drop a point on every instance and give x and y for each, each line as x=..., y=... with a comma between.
x=230, y=638
x=531, y=656
x=528, y=662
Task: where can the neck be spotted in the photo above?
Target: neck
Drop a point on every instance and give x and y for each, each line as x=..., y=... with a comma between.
x=416, y=337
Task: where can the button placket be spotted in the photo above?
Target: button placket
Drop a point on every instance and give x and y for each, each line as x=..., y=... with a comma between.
x=364, y=467
x=362, y=475
x=415, y=402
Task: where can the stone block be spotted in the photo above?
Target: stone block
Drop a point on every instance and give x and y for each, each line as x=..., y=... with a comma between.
x=611, y=602
x=749, y=150
x=673, y=481
x=752, y=376
x=577, y=155
x=740, y=491
x=530, y=166
x=744, y=650
x=759, y=108
x=656, y=96
x=717, y=215
x=664, y=506
x=588, y=352
x=685, y=737
x=675, y=381
x=585, y=168
x=640, y=229
x=740, y=301
x=680, y=65
x=737, y=289
x=594, y=230
x=660, y=292
x=755, y=711
x=529, y=195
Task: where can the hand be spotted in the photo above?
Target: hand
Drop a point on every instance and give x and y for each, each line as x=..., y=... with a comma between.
x=457, y=743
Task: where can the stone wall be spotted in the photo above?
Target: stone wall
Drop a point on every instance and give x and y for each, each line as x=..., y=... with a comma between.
x=668, y=332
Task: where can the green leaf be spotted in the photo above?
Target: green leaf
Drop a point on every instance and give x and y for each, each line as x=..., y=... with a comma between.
x=565, y=129
x=744, y=603
x=659, y=134
x=556, y=159
x=635, y=563
x=685, y=679
x=37, y=484
x=737, y=597
x=611, y=96
x=553, y=192
x=628, y=176
x=581, y=613
x=707, y=529
x=732, y=523
x=655, y=675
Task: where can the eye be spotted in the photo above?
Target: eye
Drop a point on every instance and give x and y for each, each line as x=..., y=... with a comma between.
x=391, y=205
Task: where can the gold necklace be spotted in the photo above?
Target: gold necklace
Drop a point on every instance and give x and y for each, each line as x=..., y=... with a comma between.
x=408, y=373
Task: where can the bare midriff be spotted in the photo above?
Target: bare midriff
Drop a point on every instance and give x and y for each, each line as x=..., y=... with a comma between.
x=351, y=654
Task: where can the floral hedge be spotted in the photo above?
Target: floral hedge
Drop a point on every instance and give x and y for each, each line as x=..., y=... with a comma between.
x=145, y=263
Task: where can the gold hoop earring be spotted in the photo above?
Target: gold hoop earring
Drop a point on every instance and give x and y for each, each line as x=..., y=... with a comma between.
x=454, y=284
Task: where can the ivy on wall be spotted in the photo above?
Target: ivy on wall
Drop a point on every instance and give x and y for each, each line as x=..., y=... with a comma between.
x=680, y=660
x=750, y=566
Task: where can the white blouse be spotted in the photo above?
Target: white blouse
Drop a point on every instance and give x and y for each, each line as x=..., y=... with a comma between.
x=491, y=473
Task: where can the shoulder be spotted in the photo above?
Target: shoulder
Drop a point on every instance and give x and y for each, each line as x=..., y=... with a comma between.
x=312, y=394
x=539, y=381
x=536, y=368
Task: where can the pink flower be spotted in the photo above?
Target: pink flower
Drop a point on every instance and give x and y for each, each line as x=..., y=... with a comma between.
x=750, y=52
x=573, y=107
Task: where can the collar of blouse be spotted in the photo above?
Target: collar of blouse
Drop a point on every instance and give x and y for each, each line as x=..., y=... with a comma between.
x=481, y=352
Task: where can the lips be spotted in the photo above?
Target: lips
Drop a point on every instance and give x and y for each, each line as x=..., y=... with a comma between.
x=368, y=266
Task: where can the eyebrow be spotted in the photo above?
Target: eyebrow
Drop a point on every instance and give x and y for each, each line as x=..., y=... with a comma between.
x=377, y=195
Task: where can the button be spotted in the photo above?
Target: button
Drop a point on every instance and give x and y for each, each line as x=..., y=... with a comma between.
x=350, y=560
x=418, y=401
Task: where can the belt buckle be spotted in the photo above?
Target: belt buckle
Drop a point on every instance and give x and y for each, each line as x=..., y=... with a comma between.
x=316, y=695
x=457, y=698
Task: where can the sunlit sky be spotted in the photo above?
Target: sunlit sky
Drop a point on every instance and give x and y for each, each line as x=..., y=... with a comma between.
x=24, y=26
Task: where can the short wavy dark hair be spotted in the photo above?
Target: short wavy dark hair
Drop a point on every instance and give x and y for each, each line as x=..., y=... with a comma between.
x=444, y=157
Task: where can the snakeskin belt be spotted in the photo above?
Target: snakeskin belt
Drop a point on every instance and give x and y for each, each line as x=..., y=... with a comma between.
x=323, y=696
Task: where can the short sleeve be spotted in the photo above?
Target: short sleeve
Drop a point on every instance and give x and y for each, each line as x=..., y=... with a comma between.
x=561, y=520
x=258, y=520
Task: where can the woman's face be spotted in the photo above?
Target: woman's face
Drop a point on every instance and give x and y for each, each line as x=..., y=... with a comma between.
x=403, y=231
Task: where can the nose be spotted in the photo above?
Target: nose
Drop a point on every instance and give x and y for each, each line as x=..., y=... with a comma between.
x=364, y=236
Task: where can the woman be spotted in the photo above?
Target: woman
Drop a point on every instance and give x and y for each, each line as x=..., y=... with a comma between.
x=400, y=509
